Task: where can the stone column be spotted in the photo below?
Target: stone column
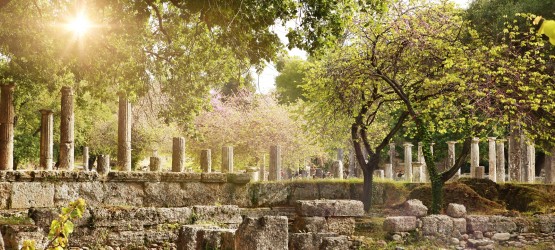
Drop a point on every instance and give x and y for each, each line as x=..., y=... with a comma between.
x=227, y=159
x=46, y=138
x=155, y=163
x=338, y=169
x=206, y=160
x=480, y=172
x=263, y=172
x=515, y=157
x=379, y=173
x=500, y=145
x=492, y=159
x=417, y=172
x=451, y=158
x=422, y=161
x=178, y=154
x=474, y=156
x=352, y=164
x=124, y=133
x=408, y=161
x=103, y=164
x=550, y=168
x=530, y=168
x=6, y=127
x=67, y=123
x=275, y=163
x=86, y=158
x=388, y=171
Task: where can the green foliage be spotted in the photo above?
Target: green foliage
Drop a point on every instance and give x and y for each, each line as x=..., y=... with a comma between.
x=291, y=73
x=61, y=228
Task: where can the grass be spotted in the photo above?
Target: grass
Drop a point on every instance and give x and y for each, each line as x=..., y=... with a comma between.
x=16, y=220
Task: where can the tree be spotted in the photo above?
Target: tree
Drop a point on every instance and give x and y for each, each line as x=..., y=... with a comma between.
x=185, y=49
x=251, y=123
x=291, y=73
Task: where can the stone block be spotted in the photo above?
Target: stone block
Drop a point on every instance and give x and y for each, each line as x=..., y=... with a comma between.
x=413, y=207
x=214, y=177
x=124, y=194
x=501, y=236
x=456, y=210
x=181, y=215
x=459, y=224
x=501, y=224
x=338, y=225
x=399, y=224
x=268, y=232
x=125, y=238
x=546, y=223
x=477, y=223
x=180, y=177
x=437, y=225
x=325, y=208
x=225, y=214
x=14, y=235
x=307, y=241
x=32, y=194
x=238, y=178
x=193, y=237
x=5, y=191
x=335, y=243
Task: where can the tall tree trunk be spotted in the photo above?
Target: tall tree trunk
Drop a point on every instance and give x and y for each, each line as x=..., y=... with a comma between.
x=437, y=194
x=367, y=188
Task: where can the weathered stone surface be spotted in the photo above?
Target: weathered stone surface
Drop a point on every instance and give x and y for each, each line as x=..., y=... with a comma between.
x=193, y=237
x=456, y=210
x=501, y=224
x=327, y=208
x=32, y=194
x=214, y=177
x=546, y=223
x=268, y=232
x=437, y=225
x=501, y=236
x=413, y=207
x=14, y=235
x=307, y=241
x=477, y=223
x=225, y=214
x=173, y=194
x=5, y=191
x=399, y=224
x=338, y=225
x=238, y=178
x=123, y=194
x=459, y=224
x=335, y=243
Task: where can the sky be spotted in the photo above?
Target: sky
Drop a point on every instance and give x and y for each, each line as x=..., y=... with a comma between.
x=266, y=80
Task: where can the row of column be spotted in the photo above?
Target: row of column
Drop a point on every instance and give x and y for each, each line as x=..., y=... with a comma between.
x=178, y=160
x=521, y=166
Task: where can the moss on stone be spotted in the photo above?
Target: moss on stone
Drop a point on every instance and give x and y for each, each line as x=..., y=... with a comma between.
x=484, y=187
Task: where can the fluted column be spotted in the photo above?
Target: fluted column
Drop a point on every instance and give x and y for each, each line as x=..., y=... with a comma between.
x=6, y=127
x=124, y=133
x=67, y=121
x=500, y=163
x=451, y=158
x=516, y=156
x=206, y=160
x=227, y=159
x=178, y=154
x=492, y=159
x=46, y=138
x=86, y=158
x=474, y=157
x=275, y=163
x=408, y=161
x=530, y=167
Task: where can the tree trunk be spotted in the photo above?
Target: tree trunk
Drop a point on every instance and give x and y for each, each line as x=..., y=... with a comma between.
x=437, y=194
x=367, y=188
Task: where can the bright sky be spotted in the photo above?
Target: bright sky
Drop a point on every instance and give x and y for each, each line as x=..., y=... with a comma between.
x=266, y=80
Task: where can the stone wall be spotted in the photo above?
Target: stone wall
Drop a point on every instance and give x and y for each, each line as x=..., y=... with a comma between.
x=26, y=189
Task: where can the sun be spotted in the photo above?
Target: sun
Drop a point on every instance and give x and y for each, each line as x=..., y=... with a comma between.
x=80, y=25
